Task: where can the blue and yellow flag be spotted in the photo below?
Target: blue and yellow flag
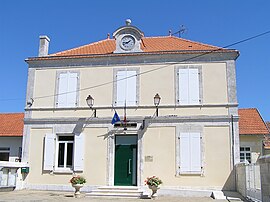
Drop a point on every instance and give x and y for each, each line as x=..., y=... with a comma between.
x=115, y=118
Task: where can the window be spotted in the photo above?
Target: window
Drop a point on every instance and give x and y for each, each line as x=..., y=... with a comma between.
x=67, y=89
x=126, y=89
x=4, y=153
x=245, y=154
x=190, y=153
x=64, y=152
x=188, y=85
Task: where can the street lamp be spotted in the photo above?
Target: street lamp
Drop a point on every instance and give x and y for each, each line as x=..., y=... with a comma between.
x=90, y=103
x=157, y=99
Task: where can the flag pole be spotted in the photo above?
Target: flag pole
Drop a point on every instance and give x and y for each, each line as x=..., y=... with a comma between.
x=125, y=115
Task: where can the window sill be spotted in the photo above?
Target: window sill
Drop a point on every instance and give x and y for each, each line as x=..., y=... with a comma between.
x=199, y=173
x=60, y=171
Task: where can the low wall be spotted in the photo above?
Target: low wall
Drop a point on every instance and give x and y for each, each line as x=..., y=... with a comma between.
x=241, y=179
x=10, y=175
x=264, y=162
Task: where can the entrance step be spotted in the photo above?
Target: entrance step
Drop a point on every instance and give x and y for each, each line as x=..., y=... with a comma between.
x=116, y=191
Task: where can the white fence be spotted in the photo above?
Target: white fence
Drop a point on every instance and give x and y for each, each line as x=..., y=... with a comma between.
x=253, y=180
x=10, y=174
x=8, y=177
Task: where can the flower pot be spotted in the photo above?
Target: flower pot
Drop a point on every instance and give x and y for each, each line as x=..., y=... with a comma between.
x=154, y=191
x=77, y=189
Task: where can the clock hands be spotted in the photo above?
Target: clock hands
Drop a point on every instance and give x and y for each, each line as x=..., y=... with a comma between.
x=126, y=42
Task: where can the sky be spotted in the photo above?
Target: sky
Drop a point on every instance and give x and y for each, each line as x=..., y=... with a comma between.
x=74, y=23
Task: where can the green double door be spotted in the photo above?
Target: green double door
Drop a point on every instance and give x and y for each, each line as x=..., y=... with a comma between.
x=125, y=166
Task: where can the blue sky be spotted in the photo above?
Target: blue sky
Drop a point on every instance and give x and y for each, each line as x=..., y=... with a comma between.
x=74, y=23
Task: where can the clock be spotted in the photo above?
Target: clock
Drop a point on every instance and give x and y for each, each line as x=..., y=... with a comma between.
x=127, y=42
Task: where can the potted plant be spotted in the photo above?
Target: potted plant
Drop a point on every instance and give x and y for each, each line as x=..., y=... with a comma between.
x=77, y=182
x=153, y=183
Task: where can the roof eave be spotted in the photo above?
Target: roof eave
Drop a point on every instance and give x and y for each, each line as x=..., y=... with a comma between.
x=203, y=52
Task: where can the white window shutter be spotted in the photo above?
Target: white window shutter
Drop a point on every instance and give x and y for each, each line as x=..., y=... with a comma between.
x=131, y=88
x=194, y=93
x=62, y=90
x=184, y=152
x=72, y=89
x=183, y=86
x=49, y=150
x=195, y=143
x=78, y=152
x=121, y=88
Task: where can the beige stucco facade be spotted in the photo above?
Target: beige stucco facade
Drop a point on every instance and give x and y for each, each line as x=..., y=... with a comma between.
x=210, y=125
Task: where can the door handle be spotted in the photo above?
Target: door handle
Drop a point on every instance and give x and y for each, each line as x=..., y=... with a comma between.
x=129, y=166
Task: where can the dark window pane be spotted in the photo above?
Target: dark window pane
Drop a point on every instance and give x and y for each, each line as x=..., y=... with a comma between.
x=242, y=148
x=247, y=148
x=4, y=156
x=66, y=138
x=69, y=154
x=241, y=154
x=61, y=153
x=4, y=148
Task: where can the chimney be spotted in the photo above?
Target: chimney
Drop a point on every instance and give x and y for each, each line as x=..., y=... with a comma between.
x=43, y=46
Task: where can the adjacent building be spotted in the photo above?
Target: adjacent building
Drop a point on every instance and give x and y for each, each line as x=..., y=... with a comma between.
x=253, y=135
x=11, y=132
x=267, y=140
x=188, y=135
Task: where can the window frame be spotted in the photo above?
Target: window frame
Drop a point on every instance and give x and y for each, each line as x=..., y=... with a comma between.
x=115, y=71
x=189, y=129
x=57, y=85
x=244, y=152
x=177, y=87
x=65, y=168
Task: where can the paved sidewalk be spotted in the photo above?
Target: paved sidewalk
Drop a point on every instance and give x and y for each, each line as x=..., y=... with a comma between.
x=40, y=196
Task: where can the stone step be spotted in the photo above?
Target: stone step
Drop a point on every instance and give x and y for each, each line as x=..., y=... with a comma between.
x=116, y=191
x=118, y=188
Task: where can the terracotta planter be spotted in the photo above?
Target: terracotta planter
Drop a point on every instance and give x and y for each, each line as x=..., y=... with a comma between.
x=77, y=189
x=154, y=191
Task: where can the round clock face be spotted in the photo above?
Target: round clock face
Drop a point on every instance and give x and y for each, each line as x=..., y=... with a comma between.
x=127, y=42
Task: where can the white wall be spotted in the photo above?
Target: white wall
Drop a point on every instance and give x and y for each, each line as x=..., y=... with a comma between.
x=13, y=143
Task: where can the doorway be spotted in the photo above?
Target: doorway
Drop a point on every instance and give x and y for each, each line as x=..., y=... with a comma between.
x=125, y=165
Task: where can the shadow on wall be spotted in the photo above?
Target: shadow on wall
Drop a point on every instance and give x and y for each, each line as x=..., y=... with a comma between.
x=230, y=184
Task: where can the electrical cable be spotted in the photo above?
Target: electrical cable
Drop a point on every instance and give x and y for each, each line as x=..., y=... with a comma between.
x=152, y=70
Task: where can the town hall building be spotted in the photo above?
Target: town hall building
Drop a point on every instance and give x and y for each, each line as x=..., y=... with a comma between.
x=175, y=98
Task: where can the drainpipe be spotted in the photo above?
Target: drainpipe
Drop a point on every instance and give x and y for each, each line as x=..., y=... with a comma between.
x=233, y=155
x=232, y=140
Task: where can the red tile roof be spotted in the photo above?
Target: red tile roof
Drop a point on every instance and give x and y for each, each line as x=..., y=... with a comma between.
x=148, y=44
x=251, y=122
x=268, y=125
x=267, y=138
x=11, y=124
